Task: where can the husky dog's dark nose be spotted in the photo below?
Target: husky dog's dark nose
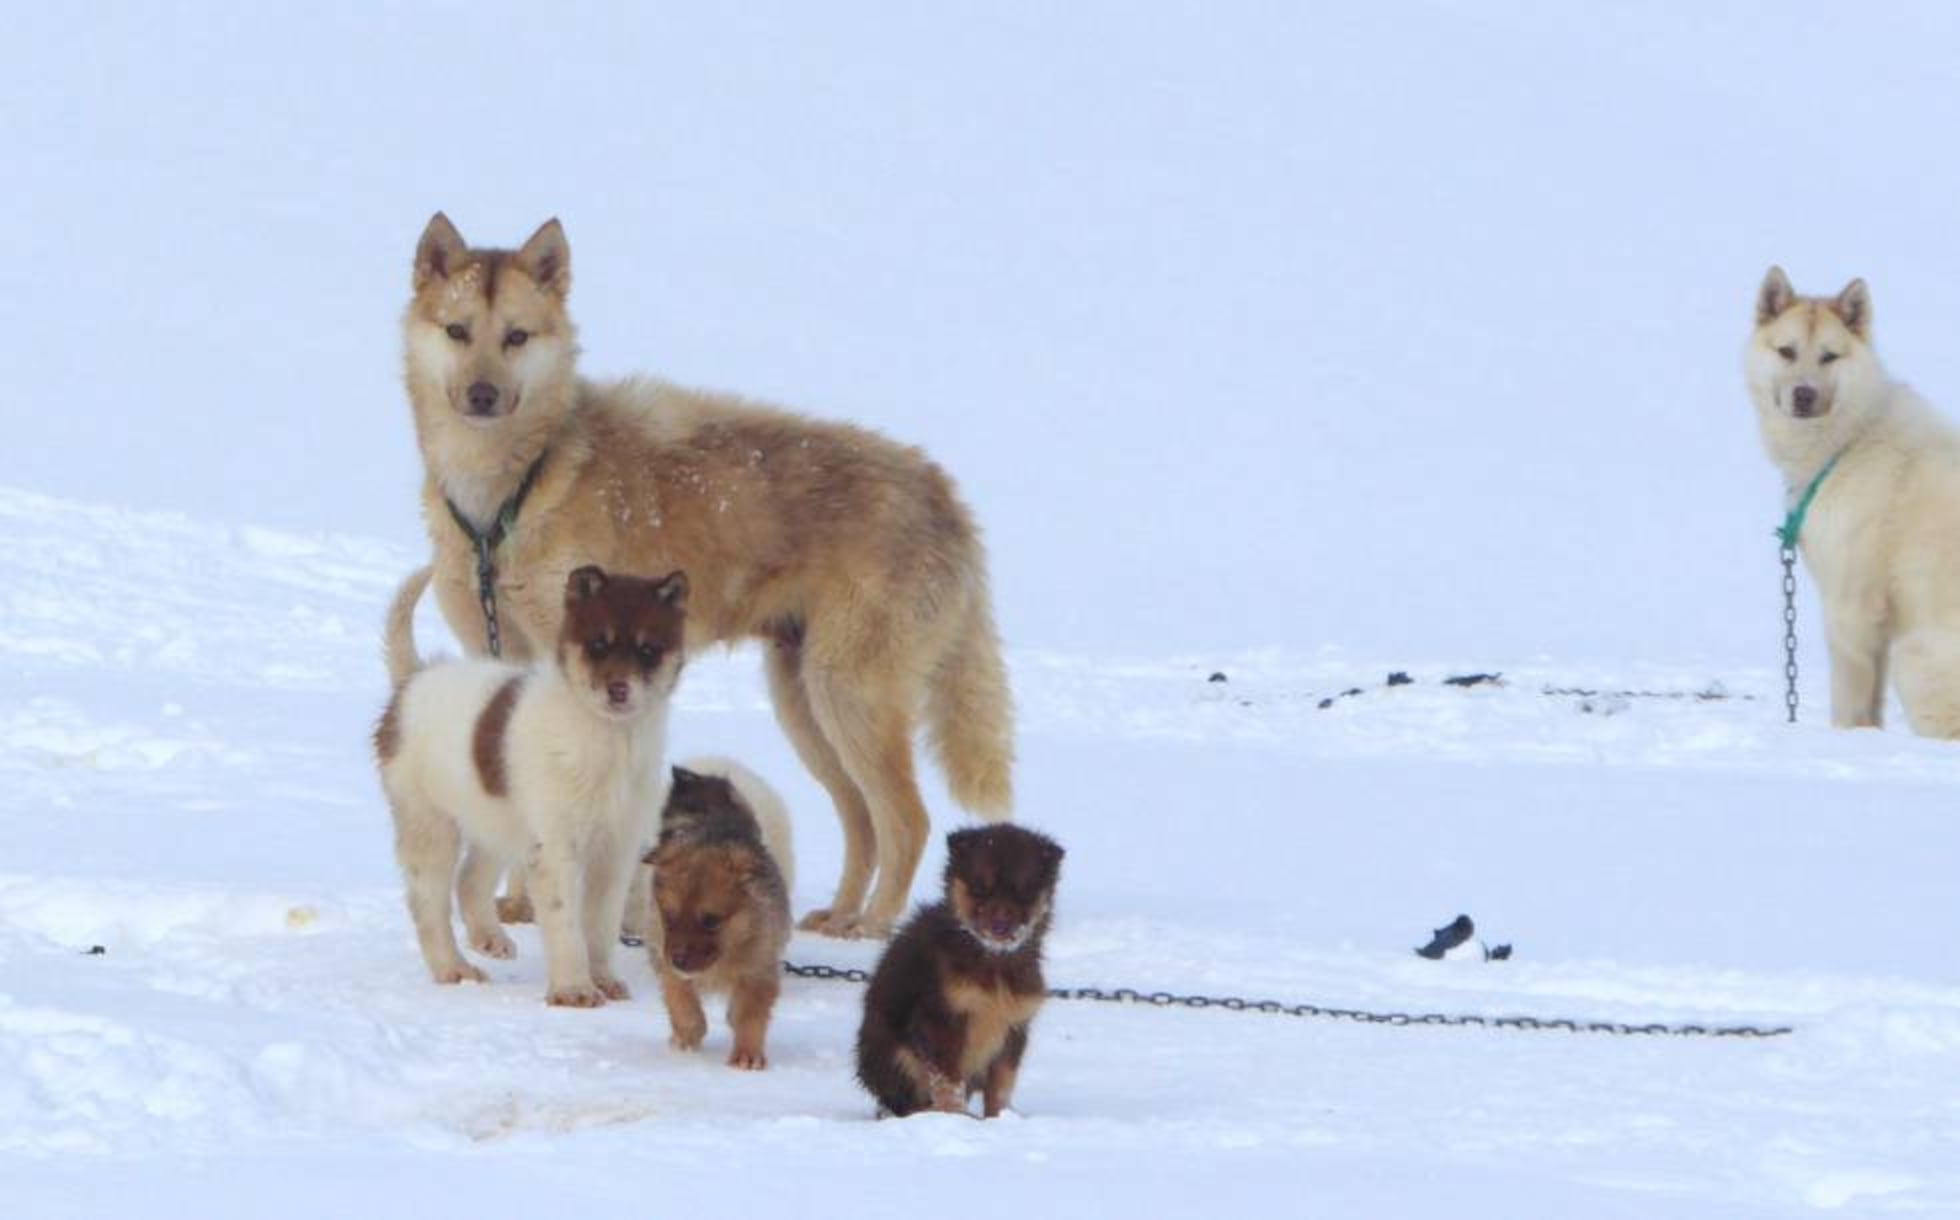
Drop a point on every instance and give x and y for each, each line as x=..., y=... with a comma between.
x=483, y=398
x=618, y=693
x=1804, y=399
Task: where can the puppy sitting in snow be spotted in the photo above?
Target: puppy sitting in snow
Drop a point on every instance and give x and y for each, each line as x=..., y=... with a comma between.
x=721, y=880
x=947, y=1012
x=554, y=765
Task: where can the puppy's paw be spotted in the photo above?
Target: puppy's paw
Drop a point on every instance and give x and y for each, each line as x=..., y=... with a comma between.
x=516, y=910
x=687, y=1039
x=748, y=1059
x=614, y=989
x=584, y=996
x=815, y=921
x=491, y=942
x=461, y=972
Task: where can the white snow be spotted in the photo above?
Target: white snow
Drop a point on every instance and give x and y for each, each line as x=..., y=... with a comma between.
x=1299, y=343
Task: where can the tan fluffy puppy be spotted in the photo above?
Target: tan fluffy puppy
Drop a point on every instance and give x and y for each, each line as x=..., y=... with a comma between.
x=555, y=764
x=721, y=904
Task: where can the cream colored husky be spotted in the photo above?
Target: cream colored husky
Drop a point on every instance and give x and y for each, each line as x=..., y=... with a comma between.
x=849, y=557
x=1881, y=471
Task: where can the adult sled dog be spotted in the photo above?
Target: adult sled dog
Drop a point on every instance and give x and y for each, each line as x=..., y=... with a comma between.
x=849, y=556
x=1879, y=472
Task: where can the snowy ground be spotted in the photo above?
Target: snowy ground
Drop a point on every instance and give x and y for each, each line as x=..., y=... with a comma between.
x=182, y=738
x=1298, y=342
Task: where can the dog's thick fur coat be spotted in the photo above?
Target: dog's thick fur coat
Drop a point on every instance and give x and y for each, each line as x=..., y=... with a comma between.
x=722, y=874
x=556, y=764
x=947, y=1011
x=1880, y=535
x=851, y=557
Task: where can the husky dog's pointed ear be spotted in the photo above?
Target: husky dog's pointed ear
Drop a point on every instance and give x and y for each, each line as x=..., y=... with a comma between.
x=1774, y=296
x=1854, y=306
x=440, y=252
x=585, y=582
x=684, y=776
x=547, y=258
x=672, y=589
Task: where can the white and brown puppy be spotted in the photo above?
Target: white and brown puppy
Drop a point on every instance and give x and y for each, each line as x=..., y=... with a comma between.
x=556, y=765
x=1879, y=473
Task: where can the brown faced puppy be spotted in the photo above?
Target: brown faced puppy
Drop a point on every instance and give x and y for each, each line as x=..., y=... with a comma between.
x=721, y=907
x=948, y=1008
x=554, y=764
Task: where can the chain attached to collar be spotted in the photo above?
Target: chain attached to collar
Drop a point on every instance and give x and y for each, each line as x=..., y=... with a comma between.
x=486, y=543
x=1787, y=537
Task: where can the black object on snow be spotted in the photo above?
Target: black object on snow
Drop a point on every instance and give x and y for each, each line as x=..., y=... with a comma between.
x=1217, y=677
x=1472, y=679
x=96, y=951
x=1398, y=678
x=1448, y=937
x=1501, y=953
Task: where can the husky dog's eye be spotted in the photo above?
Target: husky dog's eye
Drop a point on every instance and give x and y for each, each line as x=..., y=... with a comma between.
x=595, y=649
x=516, y=337
x=458, y=332
x=1827, y=357
x=1787, y=352
x=649, y=655
x=710, y=922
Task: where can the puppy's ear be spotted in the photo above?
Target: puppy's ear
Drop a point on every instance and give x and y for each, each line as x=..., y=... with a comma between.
x=960, y=845
x=650, y=855
x=672, y=589
x=547, y=259
x=585, y=583
x=1854, y=306
x=1774, y=296
x=1051, y=854
x=440, y=252
x=684, y=776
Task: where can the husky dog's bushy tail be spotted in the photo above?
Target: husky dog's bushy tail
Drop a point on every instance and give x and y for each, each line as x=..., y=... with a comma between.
x=398, y=642
x=970, y=717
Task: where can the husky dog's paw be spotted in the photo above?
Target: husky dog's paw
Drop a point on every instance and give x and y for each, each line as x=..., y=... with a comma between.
x=748, y=1059
x=614, y=989
x=516, y=909
x=491, y=942
x=846, y=926
x=689, y=1038
x=586, y=996
x=461, y=972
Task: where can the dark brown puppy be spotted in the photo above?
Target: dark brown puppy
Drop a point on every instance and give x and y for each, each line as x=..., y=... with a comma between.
x=947, y=1012
x=722, y=913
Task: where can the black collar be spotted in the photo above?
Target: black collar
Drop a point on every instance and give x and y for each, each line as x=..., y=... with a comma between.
x=506, y=519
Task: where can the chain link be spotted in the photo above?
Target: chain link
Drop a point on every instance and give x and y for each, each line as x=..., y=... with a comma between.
x=1699, y=696
x=486, y=593
x=1165, y=999
x=1790, y=630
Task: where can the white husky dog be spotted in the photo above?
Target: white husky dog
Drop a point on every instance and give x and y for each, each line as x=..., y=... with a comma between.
x=557, y=764
x=1872, y=478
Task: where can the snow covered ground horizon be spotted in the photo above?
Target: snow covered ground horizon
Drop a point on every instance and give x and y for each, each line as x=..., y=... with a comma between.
x=183, y=741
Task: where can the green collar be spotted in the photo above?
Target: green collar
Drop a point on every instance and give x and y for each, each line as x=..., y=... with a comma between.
x=1792, y=528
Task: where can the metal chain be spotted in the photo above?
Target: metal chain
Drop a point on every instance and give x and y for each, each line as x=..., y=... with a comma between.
x=1790, y=630
x=1700, y=696
x=486, y=593
x=1164, y=999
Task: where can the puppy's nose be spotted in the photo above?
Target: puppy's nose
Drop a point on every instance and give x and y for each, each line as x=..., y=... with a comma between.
x=619, y=692
x=1804, y=399
x=483, y=398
